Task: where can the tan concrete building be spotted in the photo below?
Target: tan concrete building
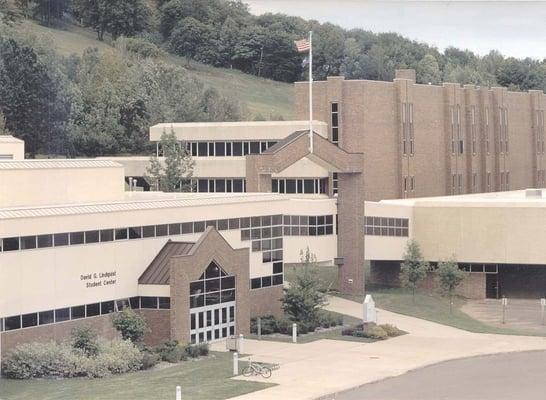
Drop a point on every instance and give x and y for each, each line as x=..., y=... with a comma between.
x=426, y=140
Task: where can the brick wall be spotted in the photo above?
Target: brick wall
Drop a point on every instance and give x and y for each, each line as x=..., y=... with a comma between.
x=57, y=332
x=266, y=301
x=386, y=273
x=159, y=324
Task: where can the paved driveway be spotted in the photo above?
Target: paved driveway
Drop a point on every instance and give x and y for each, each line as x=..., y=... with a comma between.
x=497, y=377
x=316, y=369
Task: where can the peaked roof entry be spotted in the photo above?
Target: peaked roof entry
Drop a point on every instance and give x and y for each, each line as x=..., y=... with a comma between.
x=158, y=272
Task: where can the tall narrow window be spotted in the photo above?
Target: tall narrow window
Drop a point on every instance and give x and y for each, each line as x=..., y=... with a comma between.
x=459, y=133
x=473, y=128
x=489, y=181
x=460, y=183
x=452, y=111
x=487, y=130
x=335, y=123
x=404, y=123
x=410, y=128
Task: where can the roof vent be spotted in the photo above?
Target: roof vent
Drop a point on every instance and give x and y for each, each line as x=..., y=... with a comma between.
x=533, y=193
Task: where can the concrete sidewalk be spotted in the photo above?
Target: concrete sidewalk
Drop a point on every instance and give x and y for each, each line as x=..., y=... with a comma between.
x=316, y=369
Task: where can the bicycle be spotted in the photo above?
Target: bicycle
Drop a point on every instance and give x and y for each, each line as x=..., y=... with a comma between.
x=256, y=369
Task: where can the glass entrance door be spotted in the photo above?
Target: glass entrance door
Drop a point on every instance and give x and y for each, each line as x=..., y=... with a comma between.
x=211, y=323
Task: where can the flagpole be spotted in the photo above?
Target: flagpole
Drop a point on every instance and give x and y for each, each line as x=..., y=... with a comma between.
x=310, y=91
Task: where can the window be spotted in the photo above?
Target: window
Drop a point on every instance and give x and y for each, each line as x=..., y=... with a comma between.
x=28, y=242
x=334, y=114
x=161, y=230
x=237, y=149
x=148, y=302
x=135, y=232
x=92, y=310
x=106, y=235
x=11, y=323
x=107, y=307
x=91, y=236
x=60, y=239
x=164, y=303
x=62, y=314
x=45, y=241
x=76, y=238
x=77, y=312
x=220, y=149
x=121, y=234
x=148, y=231
x=29, y=320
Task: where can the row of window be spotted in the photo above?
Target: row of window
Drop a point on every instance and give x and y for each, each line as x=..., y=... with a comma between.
x=228, y=148
x=293, y=185
x=304, y=225
x=222, y=185
x=150, y=231
x=266, y=281
x=386, y=226
x=82, y=311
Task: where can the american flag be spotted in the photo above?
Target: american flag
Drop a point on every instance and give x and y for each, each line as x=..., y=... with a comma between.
x=302, y=45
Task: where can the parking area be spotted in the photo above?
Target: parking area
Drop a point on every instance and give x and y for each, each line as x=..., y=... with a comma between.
x=520, y=314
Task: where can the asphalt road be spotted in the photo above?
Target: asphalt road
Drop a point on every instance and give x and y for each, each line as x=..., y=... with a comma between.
x=512, y=376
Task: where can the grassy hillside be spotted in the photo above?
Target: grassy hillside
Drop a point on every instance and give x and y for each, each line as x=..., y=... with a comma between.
x=256, y=95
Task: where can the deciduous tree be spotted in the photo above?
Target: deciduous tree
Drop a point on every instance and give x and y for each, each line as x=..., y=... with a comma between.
x=414, y=268
x=449, y=278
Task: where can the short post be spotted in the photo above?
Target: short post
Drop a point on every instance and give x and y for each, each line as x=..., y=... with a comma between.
x=542, y=305
x=504, y=304
x=241, y=337
x=178, y=393
x=294, y=333
x=259, y=328
x=235, y=363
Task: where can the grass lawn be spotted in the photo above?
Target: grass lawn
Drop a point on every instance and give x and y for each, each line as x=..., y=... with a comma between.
x=206, y=379
x=327, y=275
x=432, y=307
x=256, y=95
x=427, y=305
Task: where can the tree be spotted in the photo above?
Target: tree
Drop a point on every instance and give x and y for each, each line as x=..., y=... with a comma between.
x=428, y=70
x=175, y=175
x=85, y=339
x=449, y=278
x=3, y=129
x=130, y=325
x=413, y=269
x=121, y=17
x=26, y=94
x=303, y=299
x=190, y=38
x=9, y=12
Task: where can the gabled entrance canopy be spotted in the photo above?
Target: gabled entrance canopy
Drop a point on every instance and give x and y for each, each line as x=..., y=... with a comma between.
x=348, y=166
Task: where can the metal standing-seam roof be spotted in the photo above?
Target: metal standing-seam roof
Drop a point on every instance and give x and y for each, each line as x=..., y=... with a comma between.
x=51, y=164
x=158, y=272
x=133, y=205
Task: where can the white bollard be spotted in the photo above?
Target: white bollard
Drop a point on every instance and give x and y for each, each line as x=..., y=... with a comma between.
x=294, y=333
x=235, y=363
x=178, y=393
x=241, y=337
x=259, y=328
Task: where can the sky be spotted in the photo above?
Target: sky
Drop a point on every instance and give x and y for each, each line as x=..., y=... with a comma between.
x=515, y=28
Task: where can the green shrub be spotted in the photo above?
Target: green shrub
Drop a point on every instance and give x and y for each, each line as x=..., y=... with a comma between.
x=85, y=339
x=53, y=360
x=36, y=360
x=171, y=351
x=139, y=46
x=150, y=359
x=131, y=325
x=375, y=332
x=284, y=326
x=197, y=350
x=328, y=319
x=203, y=349
x=391, y=330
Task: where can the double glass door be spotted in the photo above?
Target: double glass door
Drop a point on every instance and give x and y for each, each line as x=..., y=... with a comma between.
x=212, y=322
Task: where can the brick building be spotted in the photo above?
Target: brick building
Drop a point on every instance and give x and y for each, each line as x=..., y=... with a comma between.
x=426, y=140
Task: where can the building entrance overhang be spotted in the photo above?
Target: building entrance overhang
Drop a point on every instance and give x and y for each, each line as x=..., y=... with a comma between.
x=348, y=166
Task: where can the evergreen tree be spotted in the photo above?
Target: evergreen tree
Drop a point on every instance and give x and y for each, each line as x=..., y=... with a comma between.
x=3, y=128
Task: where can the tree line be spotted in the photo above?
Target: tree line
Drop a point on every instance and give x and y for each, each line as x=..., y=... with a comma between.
x=224, y=33
x=99, y=103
